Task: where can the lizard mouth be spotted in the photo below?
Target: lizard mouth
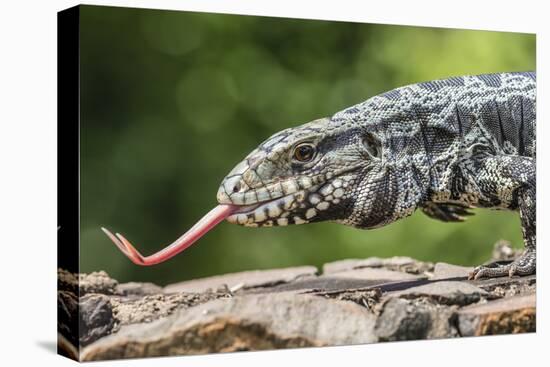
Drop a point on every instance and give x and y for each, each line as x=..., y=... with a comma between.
x=272, y=212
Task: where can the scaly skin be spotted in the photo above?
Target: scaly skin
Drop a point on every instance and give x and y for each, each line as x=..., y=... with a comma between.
x=442, y=146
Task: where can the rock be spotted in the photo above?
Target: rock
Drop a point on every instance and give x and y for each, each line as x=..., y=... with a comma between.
x=96, y=282
x=152, y=307
x=67, y=316
x=137, y=289
x=355, y=301
x=243, y=280
x=318, y=284
x=509, y=315
x=398, y=263
x=367, y=298
x=507, y=287
x=444, y=292
x=380, y=275
x=503, y=251
x=412, y=319
x=67, y=281
x=95, y=318
x=248, y=322
x=449, y=271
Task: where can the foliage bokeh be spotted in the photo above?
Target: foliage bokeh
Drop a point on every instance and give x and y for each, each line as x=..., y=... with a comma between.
x=171, y=101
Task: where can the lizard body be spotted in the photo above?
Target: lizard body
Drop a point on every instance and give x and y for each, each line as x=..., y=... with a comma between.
x=441, y=146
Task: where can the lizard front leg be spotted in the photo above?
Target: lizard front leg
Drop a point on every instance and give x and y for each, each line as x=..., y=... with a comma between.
x=512, y=178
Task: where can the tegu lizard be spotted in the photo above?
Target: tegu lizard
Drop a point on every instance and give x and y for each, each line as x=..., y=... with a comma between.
x=442, y=146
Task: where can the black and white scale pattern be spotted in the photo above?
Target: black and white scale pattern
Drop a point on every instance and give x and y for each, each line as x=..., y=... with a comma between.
x=441, y=146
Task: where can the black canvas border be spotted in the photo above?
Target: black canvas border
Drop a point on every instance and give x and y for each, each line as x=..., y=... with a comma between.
x=68, y=180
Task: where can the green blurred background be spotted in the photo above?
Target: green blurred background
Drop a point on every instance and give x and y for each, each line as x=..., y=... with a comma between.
x=171, y=101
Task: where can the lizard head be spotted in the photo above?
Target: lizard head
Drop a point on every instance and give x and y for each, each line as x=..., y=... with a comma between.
x=326, y=170
x=305, y=174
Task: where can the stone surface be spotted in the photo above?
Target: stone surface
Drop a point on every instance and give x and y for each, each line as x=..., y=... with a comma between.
x=412, y=319
x=510, y=315
x=151, y=307
x=66, y=281
x=249, y=322
x=375, y=274
x=243, y=280
x=96, y=282
x=319, y=284
x=450, y=271
x=399, y=263
x=137, y=289
x=353, y=301
x=95, y=317
x=506, y=287
x=367, y=298
x=444, y=292
x=67, y=316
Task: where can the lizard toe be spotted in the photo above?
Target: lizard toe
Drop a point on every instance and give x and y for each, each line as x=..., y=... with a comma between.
x=490, y=271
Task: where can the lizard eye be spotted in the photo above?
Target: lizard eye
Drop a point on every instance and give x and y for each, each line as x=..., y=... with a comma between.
x=304, y=152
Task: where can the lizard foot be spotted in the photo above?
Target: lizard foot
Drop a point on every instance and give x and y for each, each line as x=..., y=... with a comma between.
x=523, y=265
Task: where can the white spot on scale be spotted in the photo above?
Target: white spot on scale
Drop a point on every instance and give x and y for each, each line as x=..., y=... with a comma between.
x=274, y=211
x=259, y=216
x=299, y=220
x=282, y=221
x=289, y=187
x=241, y=219
x=323, y=205
x=311, y=212
x=326, y=190
x=338, y=193
x=314, y=199
x=305, y=182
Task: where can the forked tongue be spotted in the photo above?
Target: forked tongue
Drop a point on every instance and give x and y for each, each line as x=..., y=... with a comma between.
x=209, y=221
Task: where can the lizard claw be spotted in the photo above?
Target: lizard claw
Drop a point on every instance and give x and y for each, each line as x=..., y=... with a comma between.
x=523, y=265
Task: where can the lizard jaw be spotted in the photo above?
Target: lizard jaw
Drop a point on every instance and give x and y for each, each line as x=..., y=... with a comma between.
x=296, y=208
x=267, y=212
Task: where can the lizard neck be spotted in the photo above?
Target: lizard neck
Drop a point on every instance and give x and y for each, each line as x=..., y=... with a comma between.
x=386, y=193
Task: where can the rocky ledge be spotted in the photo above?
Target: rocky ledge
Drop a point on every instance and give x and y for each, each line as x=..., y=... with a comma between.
x=349, y=302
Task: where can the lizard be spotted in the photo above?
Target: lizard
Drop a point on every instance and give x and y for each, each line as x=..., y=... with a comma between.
x=443, y=147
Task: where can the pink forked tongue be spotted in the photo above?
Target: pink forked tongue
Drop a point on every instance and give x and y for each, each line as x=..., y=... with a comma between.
x=206, y=223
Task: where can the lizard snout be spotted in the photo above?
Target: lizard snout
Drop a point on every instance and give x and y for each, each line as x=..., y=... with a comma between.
x=231, y=188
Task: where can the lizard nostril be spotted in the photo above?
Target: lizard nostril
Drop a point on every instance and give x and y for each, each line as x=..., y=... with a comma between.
x=237, y=186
